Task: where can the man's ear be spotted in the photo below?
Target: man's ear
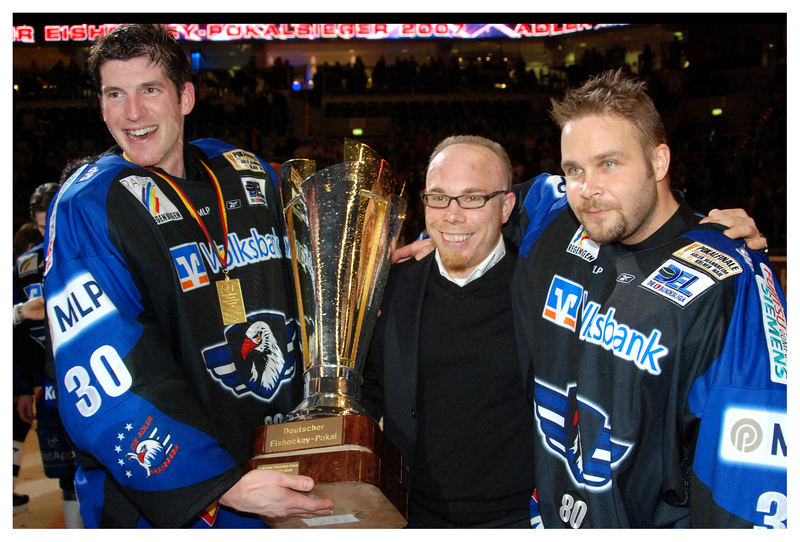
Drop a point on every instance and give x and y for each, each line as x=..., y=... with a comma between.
x=187, y=98
x=661, y=161
x=509, y=200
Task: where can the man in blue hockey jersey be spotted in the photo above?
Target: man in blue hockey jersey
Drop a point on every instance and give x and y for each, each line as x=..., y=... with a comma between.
x=660, y=393
x=170, y=309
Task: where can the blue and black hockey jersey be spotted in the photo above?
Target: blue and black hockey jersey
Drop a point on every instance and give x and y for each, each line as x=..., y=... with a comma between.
x=158, y=396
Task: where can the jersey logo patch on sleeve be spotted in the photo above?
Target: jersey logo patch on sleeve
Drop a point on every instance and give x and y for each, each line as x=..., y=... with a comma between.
x=147, y=451
x=713, y=261
x=80, y=305
x=244, y=161
x=754, y=437
x=677, y=282
x=152, y=198
x=773, y=316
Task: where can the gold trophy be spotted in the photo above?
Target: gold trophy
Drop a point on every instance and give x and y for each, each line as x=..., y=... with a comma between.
x=342, y=223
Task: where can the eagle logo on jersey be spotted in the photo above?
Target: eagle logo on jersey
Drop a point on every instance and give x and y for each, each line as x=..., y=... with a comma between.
x=261, y=350
x=251, y=360
x=578, y=432
x=151, y=452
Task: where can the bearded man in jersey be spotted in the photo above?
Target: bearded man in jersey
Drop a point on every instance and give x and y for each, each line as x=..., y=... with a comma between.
x=660, y=393
x=160, y=257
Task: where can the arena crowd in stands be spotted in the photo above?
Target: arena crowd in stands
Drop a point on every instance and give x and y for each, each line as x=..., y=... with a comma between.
x=717, y=162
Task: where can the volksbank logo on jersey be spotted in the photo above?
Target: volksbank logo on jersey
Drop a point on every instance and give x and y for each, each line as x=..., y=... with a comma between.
x=565, y=306
x=579, y=432
x=254, y=190
x=78, y=306
x=773, y=318
x=754, y=436
x=563, y=303
x=192, y=270
x=677, y=282
x=189, y=266
x=581, y=245
x=256, y=248
x=152, y=198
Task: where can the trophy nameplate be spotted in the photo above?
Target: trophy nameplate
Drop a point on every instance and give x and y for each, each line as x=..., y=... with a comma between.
x=342, y=222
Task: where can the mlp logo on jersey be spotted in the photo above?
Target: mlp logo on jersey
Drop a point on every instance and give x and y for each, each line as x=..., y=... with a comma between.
x=251, y=360
x=189, y=266
x=579, y=433
x=563, y=302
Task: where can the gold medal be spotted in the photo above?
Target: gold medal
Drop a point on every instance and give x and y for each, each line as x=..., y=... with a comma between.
x=231, y=303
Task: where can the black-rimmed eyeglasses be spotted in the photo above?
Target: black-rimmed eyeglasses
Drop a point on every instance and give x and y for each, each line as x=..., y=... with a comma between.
x=465, y=201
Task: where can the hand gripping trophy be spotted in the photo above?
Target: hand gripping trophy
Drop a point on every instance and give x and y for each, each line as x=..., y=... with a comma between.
x=342, y=223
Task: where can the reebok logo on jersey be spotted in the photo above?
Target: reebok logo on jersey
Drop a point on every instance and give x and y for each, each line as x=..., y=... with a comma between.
x=582, y=246
x=773, y=317
x=152, y=198
x=189, y=266
x=754, y=437
x=715, y=262
x=244, y=161
x=565, y=306
x=78, y=306
x=677, y=282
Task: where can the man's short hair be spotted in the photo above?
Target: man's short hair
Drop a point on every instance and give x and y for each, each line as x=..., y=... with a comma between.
x=493, y=146
x=615, y=93
x=130, y=41
x=41, y=198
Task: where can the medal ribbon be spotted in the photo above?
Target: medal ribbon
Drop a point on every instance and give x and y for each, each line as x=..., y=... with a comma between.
x=222, y=255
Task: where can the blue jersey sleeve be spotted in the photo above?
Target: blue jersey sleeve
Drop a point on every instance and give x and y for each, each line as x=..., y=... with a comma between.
x=740, y=454
x=539, y=202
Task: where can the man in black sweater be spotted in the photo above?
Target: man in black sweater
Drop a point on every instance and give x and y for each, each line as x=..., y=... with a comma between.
x=443, y=369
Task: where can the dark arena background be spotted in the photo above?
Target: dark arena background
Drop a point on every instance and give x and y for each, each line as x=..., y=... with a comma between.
x=295, y=85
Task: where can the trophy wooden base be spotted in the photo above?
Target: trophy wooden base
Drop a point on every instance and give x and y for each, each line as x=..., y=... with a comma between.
x=350, y=460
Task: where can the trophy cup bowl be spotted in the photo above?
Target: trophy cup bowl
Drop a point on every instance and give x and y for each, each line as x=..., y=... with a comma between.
x=342, y=222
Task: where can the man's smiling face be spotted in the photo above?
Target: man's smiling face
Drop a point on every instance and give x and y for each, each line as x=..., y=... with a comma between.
x=144, y=113
x=465, y=237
